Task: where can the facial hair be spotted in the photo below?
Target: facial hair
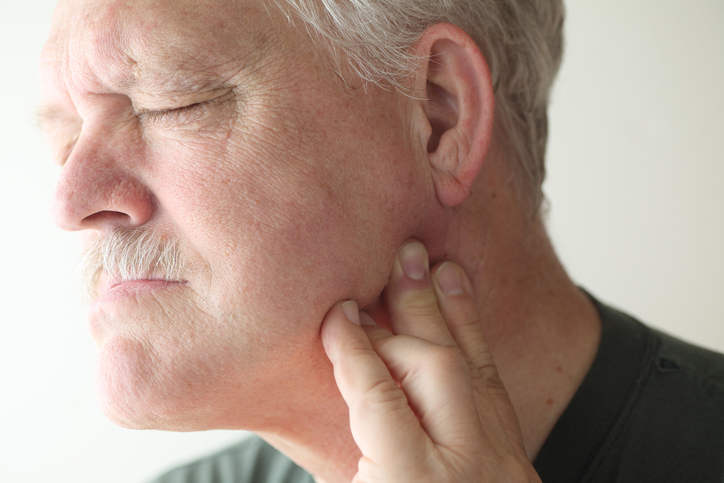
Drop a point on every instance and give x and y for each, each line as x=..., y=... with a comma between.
x=133, y=254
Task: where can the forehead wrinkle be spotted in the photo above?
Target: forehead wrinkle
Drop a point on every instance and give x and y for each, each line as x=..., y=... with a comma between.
x=194, y=59
x=166, y=53
x=92, y=49
x=158, y=51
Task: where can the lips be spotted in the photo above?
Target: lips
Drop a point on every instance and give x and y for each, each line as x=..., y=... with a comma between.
x=113, y=287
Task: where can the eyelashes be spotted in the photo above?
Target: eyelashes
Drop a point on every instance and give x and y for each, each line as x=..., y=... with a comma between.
x=186, y=114
x=176, y=115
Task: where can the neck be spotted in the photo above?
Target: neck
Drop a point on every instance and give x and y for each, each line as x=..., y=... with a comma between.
x=542, y=330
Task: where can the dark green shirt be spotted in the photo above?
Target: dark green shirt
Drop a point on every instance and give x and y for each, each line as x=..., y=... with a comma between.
x=651, y=409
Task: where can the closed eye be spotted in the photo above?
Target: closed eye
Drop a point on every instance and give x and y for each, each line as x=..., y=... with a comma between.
x=185, y=114
x=178, y=114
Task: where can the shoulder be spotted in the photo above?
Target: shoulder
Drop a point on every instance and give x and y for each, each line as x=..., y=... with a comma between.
x=673, y=427
x=651, y=409
x=689, y=361
x=662, y=356
x=251, y=461
x=683, y=397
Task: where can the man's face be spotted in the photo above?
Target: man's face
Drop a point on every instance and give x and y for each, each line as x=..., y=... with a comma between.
x=216, y=125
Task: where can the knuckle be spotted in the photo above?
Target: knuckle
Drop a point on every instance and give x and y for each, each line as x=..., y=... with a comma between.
x=465, y=321
x=384, y=392
x=351, y=353
x=490, y=376
x=421, y=303
x=489, y=372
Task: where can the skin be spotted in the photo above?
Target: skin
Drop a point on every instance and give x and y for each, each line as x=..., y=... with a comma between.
x=188, y=174
x=218, y=124
x=426, y=401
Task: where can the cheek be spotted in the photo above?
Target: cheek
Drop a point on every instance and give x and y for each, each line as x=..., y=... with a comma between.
x=291, y=223
x=282, y=231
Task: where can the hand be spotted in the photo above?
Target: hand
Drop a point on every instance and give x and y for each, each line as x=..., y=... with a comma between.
x=425, y=403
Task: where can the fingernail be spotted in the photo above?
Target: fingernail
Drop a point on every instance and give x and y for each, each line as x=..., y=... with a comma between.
x=366, y=319
x=351, y=311
x=450, y=279
x=414, y=260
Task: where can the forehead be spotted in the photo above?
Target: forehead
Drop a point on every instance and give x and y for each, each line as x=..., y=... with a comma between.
x=114, y=45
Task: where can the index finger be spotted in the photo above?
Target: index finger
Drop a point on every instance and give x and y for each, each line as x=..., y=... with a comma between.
x=378, y=408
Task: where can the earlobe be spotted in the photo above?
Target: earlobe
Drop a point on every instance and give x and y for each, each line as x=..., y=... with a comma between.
x=459, y=109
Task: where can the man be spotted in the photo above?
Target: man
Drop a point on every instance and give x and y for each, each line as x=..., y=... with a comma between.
x=245, y=169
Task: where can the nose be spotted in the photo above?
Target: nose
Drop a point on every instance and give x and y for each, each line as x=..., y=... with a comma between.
x=101, y=186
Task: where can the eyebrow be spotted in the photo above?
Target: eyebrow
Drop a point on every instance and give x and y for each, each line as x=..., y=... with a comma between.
x=178, y=83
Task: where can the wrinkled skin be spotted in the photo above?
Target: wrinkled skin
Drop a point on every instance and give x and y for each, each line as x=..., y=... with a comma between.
x=287, y=191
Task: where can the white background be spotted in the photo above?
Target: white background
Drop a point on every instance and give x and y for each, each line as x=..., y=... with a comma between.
x=636, y=170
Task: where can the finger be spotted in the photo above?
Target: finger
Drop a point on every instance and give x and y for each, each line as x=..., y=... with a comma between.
x=411, y=300
x=436, y=382
x=381, y=419
x=415, y=308
x=455, y=296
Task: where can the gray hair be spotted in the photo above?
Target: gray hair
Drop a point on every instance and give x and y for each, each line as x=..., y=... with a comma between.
x=129, y=254
x=522, y=41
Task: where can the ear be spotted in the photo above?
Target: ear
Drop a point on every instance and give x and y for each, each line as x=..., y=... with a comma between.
x=456, y=124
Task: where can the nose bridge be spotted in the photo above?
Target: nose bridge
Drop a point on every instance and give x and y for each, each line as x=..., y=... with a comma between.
x=101, y=183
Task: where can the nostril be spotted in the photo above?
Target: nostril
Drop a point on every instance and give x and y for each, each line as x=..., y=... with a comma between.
x=101, y=184
x=107, y=217
x=101, y=197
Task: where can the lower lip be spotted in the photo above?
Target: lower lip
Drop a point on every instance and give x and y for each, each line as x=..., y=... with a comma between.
x=135, y=288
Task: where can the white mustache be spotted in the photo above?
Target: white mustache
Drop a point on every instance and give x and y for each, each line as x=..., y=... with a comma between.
x=130, y=255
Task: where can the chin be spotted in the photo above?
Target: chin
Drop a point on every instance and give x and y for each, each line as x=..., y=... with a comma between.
x=137, y=390
x=177, y=362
